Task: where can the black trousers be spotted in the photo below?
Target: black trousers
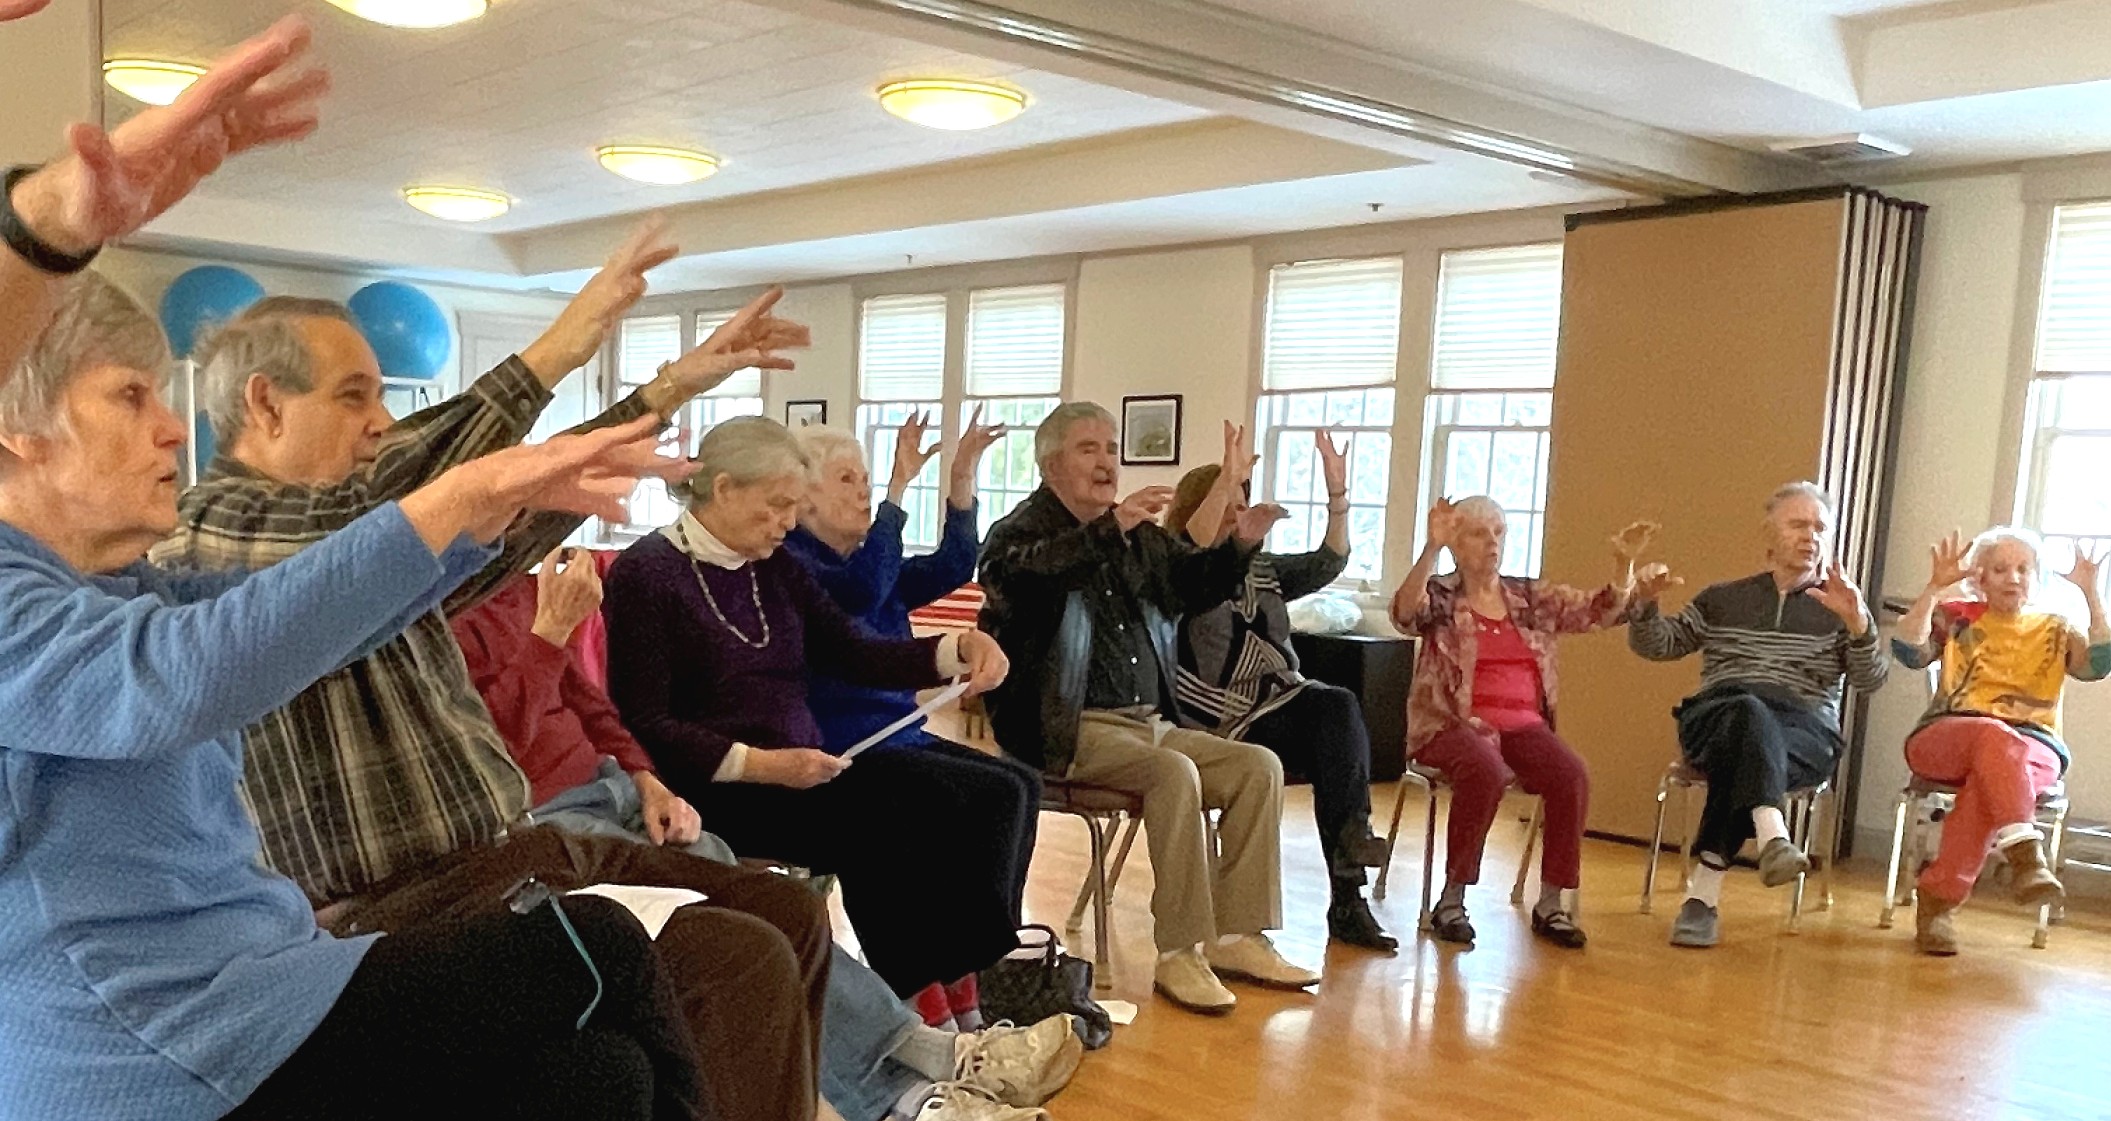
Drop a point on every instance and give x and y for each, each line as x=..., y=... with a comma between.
x=931, y=844
x=1320, y=734
x=479, y=1018
x=1754, y=748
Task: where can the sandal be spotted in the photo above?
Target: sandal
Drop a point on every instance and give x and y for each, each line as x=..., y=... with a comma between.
x=1449, y=924
x=1557, y=927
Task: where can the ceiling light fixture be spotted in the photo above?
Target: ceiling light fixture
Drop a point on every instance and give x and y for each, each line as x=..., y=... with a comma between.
x=458, y=204
x=416, y=13
x=656, y=164
x=152, y=81
x=952, y=105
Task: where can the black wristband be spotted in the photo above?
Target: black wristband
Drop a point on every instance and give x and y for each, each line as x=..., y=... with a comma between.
x=24, y=241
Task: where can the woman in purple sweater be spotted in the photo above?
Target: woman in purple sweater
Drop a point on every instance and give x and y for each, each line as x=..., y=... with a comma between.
x=712, y=631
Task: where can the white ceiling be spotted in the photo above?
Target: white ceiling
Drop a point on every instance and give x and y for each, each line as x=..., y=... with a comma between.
x=517, y=101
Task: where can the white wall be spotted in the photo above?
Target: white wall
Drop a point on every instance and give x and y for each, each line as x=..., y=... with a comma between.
x=1960, y=439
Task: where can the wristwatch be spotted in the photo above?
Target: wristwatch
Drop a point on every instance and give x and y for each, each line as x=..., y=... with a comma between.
x=24, y=241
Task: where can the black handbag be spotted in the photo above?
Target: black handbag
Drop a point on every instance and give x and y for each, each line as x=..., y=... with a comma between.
x=1038, y=981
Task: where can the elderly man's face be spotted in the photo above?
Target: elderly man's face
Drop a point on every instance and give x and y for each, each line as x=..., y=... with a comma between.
x=1085, y=471
x=320, y=437
x=1800, y=528
x=111, y=461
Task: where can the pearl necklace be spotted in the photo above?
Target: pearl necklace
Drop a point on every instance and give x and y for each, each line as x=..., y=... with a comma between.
x=696, y=568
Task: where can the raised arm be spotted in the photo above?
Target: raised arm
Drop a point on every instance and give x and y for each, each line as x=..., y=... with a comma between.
x=928, y=578
x=1918, y=638
x=1302, y=574
x=2089, y=655
x=1411, y=602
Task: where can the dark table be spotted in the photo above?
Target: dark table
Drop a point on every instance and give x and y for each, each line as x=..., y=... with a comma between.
x=1377, y=669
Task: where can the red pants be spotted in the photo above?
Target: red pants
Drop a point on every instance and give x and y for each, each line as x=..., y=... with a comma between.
x=1481, y=766
x=1999, y=773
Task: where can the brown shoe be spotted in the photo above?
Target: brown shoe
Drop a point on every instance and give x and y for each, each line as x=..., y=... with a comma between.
x=1933, y=931
x=2031, y=883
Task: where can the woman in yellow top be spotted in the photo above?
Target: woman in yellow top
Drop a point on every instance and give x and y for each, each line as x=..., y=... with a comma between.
x=1993, y=728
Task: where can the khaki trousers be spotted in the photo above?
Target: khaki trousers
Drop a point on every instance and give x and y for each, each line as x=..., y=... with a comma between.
x=1179, y=773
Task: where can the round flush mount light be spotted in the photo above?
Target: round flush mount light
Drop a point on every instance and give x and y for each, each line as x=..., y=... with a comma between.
x=152, y=81
x=415, y=13
x=952, y=105
x=458, y=204
x=656, y=164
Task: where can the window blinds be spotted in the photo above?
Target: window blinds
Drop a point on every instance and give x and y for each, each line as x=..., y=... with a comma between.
x=2074, y=311
x=643, y=344
x=902, y=348
x=1015, y=342
x=745, y=382
x=1498, y=318
x=1332, y=324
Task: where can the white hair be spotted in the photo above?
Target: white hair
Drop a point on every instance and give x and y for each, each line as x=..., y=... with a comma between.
x=823, y=444
x=93, y=323
x=1481, y=508
x=746, y=450
x=1983, y=546
x=1049, y=437
x=264, y=340
x=1802, y=488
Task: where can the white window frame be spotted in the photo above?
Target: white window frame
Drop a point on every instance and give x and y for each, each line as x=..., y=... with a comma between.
x=877, y=418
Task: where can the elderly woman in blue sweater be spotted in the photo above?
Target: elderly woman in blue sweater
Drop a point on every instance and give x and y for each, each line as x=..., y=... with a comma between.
x=856, y=554
x=154, y=969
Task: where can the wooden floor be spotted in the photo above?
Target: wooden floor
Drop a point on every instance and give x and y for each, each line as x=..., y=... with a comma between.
x=1840, y=1021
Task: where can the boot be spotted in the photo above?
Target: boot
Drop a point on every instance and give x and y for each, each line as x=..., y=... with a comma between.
x=1933, y=931
x=1350, y=922
x=2031, y=883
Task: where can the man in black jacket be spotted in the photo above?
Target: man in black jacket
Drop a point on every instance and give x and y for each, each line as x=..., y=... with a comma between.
x=1083, y=594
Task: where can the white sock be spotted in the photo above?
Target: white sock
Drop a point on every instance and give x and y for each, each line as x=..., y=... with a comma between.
x=1707, y=880
x=1454, y=896
x=1168, y=955
x=1549, y=901
x=911, y=1102
x=927, y=1051
x=1767, y=824
x=2015, y=831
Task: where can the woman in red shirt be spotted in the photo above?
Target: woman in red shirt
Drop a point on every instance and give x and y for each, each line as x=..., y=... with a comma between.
x=1481, y=707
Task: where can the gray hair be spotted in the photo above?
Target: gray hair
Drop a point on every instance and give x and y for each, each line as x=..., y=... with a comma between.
x=823, y=444
x=1802, y=488
x=266, y=339
x=1984, y=545
x=1481, y=508
x=94, y=323
x=1048, y=438
x=746, y=450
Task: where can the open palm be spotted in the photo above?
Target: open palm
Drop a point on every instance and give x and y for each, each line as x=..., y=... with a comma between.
x=2087, y=572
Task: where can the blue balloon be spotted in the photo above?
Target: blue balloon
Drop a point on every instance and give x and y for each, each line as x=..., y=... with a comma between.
x=202, y=439
x=202, y=298
x=407, y=330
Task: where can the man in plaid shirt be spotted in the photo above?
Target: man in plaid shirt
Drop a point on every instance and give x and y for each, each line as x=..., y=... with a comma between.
x=385, y=790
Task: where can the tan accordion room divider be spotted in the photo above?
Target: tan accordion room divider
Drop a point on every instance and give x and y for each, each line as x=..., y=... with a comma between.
x=1711, y=351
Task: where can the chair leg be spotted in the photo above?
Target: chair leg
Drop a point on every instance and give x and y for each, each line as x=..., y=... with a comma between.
x=1893, y=893
x=1088, y=891
x=1392, y=832
x=1524, y=863
x=1656, y=844
x=1799, y=835
x=1121, y=852
x=1831, y=824
x=1429, y=854
x=1102, y=942
x=2043, y=934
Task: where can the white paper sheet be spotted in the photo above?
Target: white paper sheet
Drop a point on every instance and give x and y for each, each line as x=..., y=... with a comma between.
x=944, y=697
x=653, y=906
x=1119, y=1011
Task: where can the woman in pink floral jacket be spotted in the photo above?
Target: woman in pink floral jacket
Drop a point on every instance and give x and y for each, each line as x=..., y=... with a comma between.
x=1481, y=708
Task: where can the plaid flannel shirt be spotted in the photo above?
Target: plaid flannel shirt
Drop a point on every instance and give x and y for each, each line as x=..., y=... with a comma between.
x=392, y=761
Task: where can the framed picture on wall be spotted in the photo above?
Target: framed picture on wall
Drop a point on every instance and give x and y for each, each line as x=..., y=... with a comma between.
x=1150, y=430
x=799, y=414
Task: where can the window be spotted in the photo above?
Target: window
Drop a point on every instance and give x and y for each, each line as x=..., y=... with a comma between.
x=1491, y=380
x=1329, y=358
x=643, y=343
x=1010, y=364
x=2067, y=425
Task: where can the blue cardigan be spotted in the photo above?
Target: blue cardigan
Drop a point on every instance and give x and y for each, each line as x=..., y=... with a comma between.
x=151, y=967
x=878, y=586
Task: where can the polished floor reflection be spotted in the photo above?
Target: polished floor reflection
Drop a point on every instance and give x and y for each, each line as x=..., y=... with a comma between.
x=1840, y=1021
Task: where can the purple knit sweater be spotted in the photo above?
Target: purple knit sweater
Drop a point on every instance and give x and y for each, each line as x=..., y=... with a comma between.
x=689, y=688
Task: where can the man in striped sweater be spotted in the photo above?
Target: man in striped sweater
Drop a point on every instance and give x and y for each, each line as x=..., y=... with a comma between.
x=1774, y=648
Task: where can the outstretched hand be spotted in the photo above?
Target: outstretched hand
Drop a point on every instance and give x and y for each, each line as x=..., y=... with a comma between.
x=1839, y=595
x=109, y=184
x=1653, y=580
x=751, y=338
x=1443, y=524
x=1946, y=562
x=585, y=322
x=1629, y=543
x=1333, y=463
x=1254, y=522
x=2087, y=572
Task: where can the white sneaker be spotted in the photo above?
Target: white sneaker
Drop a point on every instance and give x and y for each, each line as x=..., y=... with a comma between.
x=1022, y=1066
x=1184, y=978
x=959, y=1101
x=1252, y=957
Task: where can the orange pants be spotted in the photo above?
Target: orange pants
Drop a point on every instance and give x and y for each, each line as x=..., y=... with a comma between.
x=1999, y=773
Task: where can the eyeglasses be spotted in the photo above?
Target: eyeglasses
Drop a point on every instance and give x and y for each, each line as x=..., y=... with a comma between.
x=523, y=898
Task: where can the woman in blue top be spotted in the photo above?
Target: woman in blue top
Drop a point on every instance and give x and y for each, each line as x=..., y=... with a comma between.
x=857, y=557
x=154, y=969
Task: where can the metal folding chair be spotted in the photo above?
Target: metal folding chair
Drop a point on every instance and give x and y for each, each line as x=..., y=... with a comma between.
x=1802, y=814
x=1431, y=780
x=1106, y=813
x=1924, y=802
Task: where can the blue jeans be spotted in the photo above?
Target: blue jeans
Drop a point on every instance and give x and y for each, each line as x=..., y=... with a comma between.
x=864, y=1021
